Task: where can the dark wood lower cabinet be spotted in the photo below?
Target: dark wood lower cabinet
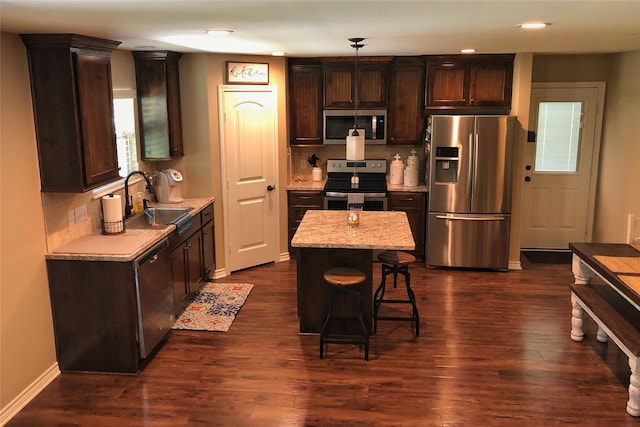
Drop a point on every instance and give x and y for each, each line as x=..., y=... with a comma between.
x=95, y=306
x=94, y=315
x=186, y=269
x=299, y=202
x=415, y=205
x=192, y=257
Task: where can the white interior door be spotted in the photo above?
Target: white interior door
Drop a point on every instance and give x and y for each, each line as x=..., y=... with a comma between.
x=249, y=171
x=561, y=166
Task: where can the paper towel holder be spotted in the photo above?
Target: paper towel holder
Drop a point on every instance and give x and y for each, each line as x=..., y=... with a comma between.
x=111, y=227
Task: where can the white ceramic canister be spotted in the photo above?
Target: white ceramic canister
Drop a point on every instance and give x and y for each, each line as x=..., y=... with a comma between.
x=316, y=174
x=412, y=160
x=410, y=176
x=395, y=171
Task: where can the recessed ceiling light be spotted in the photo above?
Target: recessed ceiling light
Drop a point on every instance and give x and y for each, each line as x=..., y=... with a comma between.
x=468, y=51
x=278, y=53
x=222, y=33
x=533, y=25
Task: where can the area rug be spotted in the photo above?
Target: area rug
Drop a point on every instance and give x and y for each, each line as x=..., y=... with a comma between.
x=214, y=308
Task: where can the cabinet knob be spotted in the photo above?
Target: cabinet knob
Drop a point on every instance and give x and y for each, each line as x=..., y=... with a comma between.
x=270, y=188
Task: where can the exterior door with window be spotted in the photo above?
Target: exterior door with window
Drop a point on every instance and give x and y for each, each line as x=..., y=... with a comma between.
x=561, y=165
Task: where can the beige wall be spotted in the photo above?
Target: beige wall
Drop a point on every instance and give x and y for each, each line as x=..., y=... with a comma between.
x=520, y=101
x=27, y=349
x=618, y=192
x=200, y=77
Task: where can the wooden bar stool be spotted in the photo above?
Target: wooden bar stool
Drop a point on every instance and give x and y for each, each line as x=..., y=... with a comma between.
x=343, y=282
x=395, y=262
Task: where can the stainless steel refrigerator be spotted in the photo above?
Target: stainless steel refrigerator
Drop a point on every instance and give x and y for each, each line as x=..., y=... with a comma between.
x=470, y=191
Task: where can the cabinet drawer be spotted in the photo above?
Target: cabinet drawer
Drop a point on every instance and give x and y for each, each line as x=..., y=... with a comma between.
x=207, y=214
x=175, y=240
x=400, y=199
x=309, y=199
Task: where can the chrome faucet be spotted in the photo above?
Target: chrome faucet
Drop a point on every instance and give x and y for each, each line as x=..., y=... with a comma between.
x=128, y=204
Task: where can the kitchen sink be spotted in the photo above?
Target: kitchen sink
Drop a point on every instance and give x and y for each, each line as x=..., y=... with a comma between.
x=163, y=216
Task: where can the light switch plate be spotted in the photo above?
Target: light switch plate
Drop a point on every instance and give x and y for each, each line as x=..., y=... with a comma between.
x=81, y=213
x=71, y=217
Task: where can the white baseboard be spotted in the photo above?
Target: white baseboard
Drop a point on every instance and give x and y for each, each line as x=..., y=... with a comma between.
x=219, y=273
x=515, y=265
x=284, y=257
x=29, y=394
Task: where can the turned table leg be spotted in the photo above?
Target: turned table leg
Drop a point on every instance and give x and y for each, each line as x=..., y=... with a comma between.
x=582, y=274
x=633, y=405
x=577, y=313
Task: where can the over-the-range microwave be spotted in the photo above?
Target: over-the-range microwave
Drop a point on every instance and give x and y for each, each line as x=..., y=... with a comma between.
x=337, y=124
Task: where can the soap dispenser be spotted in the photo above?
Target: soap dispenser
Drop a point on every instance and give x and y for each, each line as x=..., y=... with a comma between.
x=396, y=171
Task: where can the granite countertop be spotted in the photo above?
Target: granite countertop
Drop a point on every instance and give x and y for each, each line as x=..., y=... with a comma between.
x=306, y=184
x=125, y=246
x=377, y=230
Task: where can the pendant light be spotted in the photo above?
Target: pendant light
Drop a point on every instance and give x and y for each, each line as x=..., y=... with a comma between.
x=355, y=139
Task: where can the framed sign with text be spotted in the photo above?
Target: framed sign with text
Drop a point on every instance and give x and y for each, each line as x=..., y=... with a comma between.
x=249, y=73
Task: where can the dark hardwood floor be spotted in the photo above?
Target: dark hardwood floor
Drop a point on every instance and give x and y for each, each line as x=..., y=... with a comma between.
x=494, y=350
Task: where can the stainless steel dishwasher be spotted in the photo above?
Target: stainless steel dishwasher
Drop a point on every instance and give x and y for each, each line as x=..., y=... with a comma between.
x=154, y=295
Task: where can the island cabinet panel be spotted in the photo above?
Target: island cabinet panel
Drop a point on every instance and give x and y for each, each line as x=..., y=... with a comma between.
x=305, y=102
x=415, y=206
x=299, y=202
x=73, y=109
x=313, y=291
x=406, y=101
x=340, y=83
x=94, y=315
x=159, y=116
x=470, y=83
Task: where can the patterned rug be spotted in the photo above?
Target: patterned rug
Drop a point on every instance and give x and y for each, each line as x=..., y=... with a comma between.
x=214, y=308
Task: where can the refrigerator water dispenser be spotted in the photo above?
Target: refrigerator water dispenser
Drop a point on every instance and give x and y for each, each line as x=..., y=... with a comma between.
x=446, y=160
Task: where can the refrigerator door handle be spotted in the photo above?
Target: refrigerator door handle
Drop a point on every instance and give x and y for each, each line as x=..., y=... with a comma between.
x=474, y=170
x=471, y=168
x=472, y=218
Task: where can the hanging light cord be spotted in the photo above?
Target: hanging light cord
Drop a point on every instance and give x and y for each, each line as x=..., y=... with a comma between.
x=356, y=45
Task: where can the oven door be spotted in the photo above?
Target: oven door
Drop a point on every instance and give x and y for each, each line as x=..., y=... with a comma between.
x=336, y=202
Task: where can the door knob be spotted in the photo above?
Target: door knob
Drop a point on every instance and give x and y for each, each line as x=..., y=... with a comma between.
x=270, y=188
x=527, y=178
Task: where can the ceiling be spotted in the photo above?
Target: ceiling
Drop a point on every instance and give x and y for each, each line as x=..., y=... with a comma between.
x=321, y=28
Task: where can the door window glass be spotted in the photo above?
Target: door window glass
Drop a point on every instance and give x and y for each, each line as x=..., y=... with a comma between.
x=558, y=136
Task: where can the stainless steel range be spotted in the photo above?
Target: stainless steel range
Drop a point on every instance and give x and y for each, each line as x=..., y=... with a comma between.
x=356, y=182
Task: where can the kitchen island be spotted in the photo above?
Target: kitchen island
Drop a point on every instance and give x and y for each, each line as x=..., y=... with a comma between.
x=325, y=241
x=613, y=305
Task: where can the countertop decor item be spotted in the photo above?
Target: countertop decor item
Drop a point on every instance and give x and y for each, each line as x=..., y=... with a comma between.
x=214, y=308
x=247, y=73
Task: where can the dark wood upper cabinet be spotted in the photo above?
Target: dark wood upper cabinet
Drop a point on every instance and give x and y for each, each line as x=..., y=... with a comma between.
x=405, y=106
x=467, y=83
x=340, y=83
x=305, y=102
x=73, y=109
x=159, y=115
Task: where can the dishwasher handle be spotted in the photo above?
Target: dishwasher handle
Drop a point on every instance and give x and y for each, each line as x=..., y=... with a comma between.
x=151, y=255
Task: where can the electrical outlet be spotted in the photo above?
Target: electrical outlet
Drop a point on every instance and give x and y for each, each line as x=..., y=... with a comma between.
x=71, y=217
x=303, y=163
x=81, y=213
